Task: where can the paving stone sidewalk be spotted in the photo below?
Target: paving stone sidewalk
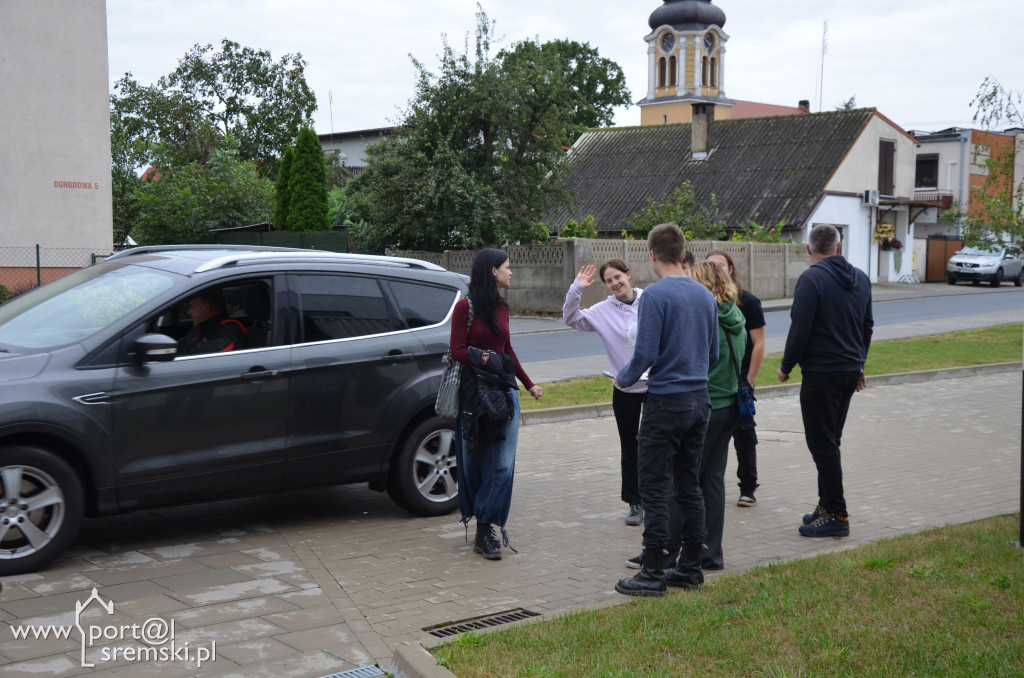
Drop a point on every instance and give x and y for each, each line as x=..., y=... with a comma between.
x=314, y=583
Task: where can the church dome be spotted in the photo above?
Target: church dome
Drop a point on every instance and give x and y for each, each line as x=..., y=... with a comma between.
x=687, y=15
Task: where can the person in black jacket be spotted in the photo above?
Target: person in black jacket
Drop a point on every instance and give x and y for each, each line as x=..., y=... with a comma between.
x=213, y=331
x=829, y=335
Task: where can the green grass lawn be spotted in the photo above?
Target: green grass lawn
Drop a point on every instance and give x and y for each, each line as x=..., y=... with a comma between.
x=946, y=602
x=954, y=349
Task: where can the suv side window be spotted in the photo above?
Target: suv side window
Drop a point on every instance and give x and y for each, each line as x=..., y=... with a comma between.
x=422, y=305
x=247, y=302
x=341, y=307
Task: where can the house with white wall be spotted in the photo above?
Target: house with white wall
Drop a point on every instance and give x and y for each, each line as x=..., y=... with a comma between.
x=852, y=169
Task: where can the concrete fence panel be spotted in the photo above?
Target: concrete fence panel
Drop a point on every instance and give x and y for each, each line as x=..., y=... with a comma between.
x=543, y=273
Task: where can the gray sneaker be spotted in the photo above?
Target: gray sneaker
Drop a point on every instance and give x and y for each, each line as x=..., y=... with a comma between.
x=636, y=515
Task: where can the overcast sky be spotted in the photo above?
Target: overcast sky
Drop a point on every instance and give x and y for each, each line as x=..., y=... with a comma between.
x=919, y=62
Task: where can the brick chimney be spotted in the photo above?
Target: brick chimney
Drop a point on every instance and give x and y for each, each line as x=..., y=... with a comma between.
x=701, y=130
x=805, y=105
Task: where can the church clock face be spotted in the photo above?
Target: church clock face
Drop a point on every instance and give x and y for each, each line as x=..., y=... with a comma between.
x=668, y=41
x=709, y=41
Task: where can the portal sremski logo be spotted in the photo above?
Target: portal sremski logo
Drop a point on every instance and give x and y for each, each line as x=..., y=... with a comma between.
x=156, y=635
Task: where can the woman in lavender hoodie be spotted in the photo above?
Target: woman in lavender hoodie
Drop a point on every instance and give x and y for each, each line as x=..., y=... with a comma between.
x=614, y=320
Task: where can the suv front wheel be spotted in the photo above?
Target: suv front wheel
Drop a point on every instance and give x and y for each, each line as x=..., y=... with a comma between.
x=40, y=508
x=423, y=478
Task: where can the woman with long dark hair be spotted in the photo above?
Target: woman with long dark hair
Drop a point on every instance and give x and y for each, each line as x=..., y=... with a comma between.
x=745, y=435
x=487, y=428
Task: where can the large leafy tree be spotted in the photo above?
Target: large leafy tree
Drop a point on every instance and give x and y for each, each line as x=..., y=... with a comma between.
x=481, y=147
x=587, y=86
x=182, y=122
x=997, y=205
x=239, y=90
x=307, y=185
x=181, y=205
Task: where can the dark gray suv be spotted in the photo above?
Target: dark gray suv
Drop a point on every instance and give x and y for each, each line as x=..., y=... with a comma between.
x=331, y=379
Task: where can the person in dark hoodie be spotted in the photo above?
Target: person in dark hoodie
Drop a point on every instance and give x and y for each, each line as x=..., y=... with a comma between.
x=829, y=335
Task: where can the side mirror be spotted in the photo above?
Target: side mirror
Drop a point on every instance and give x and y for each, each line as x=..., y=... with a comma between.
x=154, y=348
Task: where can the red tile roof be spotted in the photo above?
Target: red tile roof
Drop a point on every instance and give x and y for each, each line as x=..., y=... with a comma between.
x=755, y=109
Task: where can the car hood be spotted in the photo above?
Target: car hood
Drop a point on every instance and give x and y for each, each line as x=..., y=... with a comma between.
x=974, y=258
x=17, y=366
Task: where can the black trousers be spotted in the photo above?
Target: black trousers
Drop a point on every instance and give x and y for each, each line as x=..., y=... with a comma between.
x=744, y=437
x=824, y=402
x=670, y=443
x=712, y=480
x=628, y=408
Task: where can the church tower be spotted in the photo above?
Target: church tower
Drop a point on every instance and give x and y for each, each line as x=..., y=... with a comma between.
x=686, y=62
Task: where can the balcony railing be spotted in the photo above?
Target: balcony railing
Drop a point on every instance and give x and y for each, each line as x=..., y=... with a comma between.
x=941, y=199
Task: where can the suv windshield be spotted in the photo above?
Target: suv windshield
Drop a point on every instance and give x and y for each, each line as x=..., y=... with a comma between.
x=981, y=252
x=78, y=305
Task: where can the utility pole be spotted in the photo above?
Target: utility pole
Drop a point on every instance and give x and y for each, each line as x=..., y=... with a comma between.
x=330, y=105
x=821, y=64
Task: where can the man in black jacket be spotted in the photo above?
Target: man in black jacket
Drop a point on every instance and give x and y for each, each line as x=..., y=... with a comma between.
x=213, y=331
x=829, y=334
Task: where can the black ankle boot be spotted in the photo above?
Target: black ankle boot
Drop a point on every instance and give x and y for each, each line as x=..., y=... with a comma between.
x=486, y=542
x=687, y=573
x=650, y=581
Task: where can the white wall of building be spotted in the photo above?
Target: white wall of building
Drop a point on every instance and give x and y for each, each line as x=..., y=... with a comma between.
x=352, y=145
x=859, y=170
x=856, y=223
x=54, y=113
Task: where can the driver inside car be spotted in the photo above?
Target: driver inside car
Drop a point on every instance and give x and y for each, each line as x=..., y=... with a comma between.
x=213, y=331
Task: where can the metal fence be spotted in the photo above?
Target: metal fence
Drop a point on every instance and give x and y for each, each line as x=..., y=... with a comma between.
x=22, y=268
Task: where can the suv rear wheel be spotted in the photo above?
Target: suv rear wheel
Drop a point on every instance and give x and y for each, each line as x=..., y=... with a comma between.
x=423, y=478
x=40, y=508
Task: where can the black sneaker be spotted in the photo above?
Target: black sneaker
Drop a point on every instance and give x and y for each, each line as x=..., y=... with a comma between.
x=747, y=500
x=636, y=515
x=636, y=563
x=811, y=517
x=827, y=525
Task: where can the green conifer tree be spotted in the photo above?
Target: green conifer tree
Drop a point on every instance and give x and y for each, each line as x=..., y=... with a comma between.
x=307, y=185
x=283, y=191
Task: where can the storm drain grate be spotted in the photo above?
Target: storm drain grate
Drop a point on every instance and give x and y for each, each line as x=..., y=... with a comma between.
x=360, y=672
x=454, y=629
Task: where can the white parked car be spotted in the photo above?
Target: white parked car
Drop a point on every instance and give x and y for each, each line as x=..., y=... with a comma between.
x=992, y=264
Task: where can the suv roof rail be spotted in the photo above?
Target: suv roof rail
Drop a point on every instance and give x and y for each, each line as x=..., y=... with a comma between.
x=149, y=249
x=319, y=256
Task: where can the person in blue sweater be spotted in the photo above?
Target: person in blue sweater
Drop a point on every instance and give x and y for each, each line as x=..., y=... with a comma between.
x=829, y=335
x=676, y=342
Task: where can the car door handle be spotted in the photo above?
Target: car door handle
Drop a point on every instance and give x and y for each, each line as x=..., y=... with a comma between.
x=396, y=357
x=260, y=374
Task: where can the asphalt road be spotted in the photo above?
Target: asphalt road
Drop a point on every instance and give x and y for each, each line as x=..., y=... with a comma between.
x=550, y=351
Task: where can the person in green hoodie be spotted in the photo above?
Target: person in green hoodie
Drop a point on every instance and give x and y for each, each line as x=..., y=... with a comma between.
x=723, y=383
